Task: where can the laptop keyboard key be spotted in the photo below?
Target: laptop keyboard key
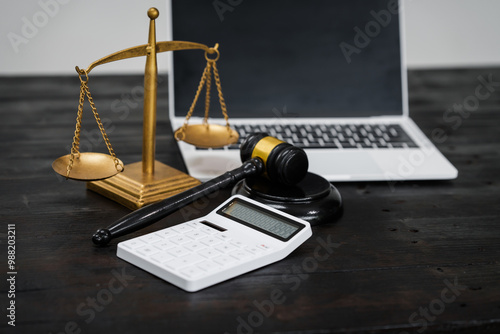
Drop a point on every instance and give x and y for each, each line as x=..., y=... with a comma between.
x=347, y=136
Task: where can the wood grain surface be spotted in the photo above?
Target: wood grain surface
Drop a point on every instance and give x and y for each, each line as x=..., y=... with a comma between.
x=406, y=257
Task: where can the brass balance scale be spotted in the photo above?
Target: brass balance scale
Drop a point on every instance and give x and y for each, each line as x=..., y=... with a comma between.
x=146, y=181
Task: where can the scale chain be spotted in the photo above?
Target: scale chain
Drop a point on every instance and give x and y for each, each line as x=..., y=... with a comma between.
x=179, y=134
x=208, y=82
x=75, y=148
x=206, y=79
x=118, y=165
x=221, y=98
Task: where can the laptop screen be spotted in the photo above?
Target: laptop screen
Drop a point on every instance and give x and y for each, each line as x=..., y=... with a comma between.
x=314, y=58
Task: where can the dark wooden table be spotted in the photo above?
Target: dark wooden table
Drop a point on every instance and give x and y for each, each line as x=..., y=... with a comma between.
x=417, y=257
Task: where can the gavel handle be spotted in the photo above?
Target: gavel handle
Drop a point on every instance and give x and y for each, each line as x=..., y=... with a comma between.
x=152, y=213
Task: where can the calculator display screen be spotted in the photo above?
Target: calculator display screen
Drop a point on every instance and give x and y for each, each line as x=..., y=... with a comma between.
x=261, y=219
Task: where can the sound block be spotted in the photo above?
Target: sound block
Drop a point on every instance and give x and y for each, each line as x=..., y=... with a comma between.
x=313, y=199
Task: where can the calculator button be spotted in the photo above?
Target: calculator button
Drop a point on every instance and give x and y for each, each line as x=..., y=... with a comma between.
x=223, y=237
x=176, y=264
x=254, y=250
x=166, y=233
x=264, y=246
x=150, y=238
x=207, y=229
x=194, y=246
x=180, y=239
x=133, y=244
x=164, y=244
x=161, y=257
x=225, y=260
x=241, y=254
x=147, y=250
x=195, y=225
x=209, y=253
x=192, y=258
x=192, y=272
x=208, y=266
x=238, y=243
x=178, y=251
x=182, y=228
x=226, y=248
x=210, y=241
x=184, y=261
x=196, y=234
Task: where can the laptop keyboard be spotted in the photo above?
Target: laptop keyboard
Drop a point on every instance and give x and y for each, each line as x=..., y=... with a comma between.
x=338, y=136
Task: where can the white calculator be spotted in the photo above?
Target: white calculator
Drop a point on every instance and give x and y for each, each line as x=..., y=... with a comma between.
x=239, y=236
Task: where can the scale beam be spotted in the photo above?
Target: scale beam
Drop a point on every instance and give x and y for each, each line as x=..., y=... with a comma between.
x=142, y=50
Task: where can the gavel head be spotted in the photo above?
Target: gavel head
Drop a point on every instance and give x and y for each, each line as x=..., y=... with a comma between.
x=283, y=162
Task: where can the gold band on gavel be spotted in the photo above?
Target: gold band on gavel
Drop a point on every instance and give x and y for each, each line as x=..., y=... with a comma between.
x=264, y=147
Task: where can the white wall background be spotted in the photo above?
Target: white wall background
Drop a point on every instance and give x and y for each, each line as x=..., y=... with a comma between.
x=452, y=33
x=75, y=33
x=50, y=37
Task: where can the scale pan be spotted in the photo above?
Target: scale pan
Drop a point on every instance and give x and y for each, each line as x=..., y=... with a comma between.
x=209, y=135
x=88, y=167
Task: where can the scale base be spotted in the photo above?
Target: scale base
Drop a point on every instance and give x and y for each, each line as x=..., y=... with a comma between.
x=134, y=189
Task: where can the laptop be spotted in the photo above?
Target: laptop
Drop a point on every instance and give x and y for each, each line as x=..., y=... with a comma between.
x=327, y=76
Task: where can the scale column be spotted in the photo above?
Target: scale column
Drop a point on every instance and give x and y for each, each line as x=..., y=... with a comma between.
x=150, y=91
